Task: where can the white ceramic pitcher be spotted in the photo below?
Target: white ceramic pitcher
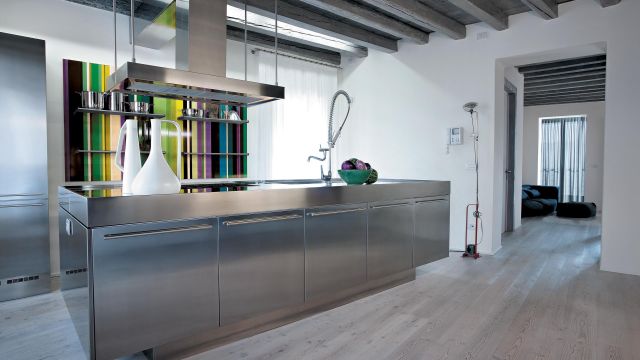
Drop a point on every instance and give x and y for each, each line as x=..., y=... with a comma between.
x=132, y=162
x=156, y=176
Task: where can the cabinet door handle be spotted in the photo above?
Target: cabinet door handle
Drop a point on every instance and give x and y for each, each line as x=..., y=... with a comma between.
x=260, y=220
x=68, y=225
x=20, y=205
x=324, y=213
x=431, y=200
x=388, y=206
x=15, y=195
x=157, y=232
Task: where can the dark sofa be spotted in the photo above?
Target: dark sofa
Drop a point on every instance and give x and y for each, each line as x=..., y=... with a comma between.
x=539, y=200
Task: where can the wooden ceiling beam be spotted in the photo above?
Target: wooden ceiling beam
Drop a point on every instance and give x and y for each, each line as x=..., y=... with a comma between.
x=539, y=92
x=562, y=96
x=562, y=64
x=597, y=74
x=564, y=86
x=546, y=9
x=605, y=3
x=371, y=18
x=484, y=10
x=533, y=92
x=556, y=102
x=569, y=70
x=583, y=79
x=421, y=15
x=304, y=18
x=258, y=23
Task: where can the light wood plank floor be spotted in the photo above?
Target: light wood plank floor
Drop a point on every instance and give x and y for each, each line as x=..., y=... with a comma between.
x=541, y=297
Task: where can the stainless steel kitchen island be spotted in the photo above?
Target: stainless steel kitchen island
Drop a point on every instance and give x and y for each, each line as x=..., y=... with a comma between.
x=171, y=274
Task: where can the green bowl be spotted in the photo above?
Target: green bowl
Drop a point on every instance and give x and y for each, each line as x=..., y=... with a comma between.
x=354, y=177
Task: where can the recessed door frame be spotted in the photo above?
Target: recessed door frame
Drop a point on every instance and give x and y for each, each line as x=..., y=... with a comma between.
x=510, y=158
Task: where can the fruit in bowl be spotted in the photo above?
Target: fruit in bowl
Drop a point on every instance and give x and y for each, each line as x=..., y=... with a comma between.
x=357, y=172
x=354, y=177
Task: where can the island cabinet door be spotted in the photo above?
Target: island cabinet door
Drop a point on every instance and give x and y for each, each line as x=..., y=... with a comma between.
x=261, y=264
x=431, y=241
x=336, y=249
x=390, y=239
x=153, y=283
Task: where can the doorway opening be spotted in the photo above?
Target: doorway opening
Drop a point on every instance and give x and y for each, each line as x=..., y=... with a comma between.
x=565, y=87
x=562, y=152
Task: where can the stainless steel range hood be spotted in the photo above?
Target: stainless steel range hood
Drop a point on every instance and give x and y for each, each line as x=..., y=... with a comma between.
x=205, y=80
x=150, y=80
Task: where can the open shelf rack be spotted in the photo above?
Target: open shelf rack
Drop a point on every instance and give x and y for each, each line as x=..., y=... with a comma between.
x=120, y=113
x=213, y=120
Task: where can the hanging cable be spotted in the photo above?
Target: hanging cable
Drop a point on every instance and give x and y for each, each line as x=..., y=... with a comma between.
x=245, y=40
x=475, y=125
x=115, y=38
x=132, y=27
x=276, y=40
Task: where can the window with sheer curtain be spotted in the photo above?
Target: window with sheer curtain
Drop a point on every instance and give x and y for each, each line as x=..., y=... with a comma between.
x=291, y=129
x=562, y=155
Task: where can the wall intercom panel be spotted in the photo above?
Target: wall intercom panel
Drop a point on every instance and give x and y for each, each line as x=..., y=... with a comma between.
x=454, y=136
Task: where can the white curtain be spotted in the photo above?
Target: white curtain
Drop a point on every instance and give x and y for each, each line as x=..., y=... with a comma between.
x=574, y=159
x=551, y=145
x=293, y=128
x=563, y=151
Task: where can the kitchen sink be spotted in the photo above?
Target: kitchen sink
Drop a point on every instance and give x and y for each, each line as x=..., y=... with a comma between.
x=218, y=185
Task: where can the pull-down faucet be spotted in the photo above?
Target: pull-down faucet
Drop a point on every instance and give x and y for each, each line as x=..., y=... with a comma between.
x=332, y=138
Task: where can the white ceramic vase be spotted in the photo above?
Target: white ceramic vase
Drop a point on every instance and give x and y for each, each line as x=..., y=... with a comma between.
x=156, y=176
x=132, y=162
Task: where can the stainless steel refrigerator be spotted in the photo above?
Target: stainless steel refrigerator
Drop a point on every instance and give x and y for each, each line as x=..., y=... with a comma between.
x=24, y=218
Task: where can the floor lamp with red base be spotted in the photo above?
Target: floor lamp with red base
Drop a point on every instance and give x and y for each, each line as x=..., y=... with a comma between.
x=471, y=250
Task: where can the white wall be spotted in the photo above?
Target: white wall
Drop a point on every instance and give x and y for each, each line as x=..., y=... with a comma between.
x=406, y=100
x=594, y=140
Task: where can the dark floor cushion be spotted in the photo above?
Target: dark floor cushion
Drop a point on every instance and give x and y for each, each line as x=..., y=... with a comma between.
x=576, y=210
x=534, y=205
x=549, y=204
x=539, y=200
x=535, y=208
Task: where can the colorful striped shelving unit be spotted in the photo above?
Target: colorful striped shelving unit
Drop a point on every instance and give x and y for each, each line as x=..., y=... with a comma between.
x=210, y=150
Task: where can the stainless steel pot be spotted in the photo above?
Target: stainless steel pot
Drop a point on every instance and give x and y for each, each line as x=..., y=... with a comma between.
x=194, y=112
x=92, y=99
x=139, y=107
x=116, y=101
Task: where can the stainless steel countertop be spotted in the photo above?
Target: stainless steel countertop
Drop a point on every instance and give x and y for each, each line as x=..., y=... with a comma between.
x=104, y=205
